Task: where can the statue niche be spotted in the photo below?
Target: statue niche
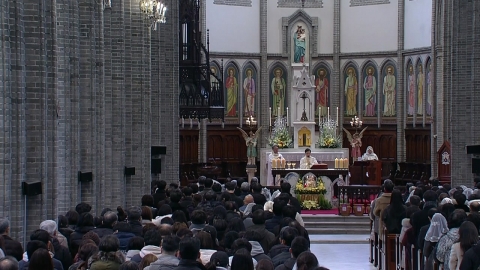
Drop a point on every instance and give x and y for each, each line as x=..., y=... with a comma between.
x=299, y=44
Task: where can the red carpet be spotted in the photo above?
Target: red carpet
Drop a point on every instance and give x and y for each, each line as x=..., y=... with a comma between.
x=333, y=211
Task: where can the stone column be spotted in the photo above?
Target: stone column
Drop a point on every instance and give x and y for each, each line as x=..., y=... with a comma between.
x=401, y=115
x=337, y=100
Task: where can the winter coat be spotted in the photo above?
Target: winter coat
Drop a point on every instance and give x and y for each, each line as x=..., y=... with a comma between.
x=12, y=247
x=189, y=265
x=444, y=247
x=268, y=238
x=164, y=262
x=62, y=254
x=381, y=203
x=155, y=250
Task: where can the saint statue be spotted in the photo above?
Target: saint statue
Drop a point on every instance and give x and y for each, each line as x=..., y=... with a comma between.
x=356, y=142
x=311, y=182
x=389, y=85
x=251, y=142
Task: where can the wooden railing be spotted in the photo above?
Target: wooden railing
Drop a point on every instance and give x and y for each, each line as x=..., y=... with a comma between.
x=358, y=197
x=387, y=253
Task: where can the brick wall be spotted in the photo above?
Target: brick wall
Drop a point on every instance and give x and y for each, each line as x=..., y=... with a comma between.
x=83, y=89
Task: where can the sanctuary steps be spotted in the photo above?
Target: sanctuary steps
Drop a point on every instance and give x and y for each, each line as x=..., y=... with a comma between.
x=338, y=225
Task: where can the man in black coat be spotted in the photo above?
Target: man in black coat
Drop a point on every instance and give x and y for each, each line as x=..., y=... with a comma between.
x=12, y=247
x=160, y=193
x=471, y=258
x=268, y=238
x=189, y=252
x=230, y=187
x=109, y=220
x=134, y=219
x=299, y=245
x=420, y=218
x=285, y=188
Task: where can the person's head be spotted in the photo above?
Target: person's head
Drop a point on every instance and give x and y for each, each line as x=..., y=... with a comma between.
x=122, y=227
x=147, y=200
x=33, y=245
x=308, y=152
x=189, y=248
x=241, y=243
x=40, y=260
x=161, y=185
x=474, y=207
x=259, y=198
x=236, y=224
x=431, y=212
x=430, y=196
x=134, y=213
x=217, y=188
x=258, y=217
x=146, y=213
x=299, y=245
x=184, y=233
x=165, y=229
x=8, y=263
x=370, y=149
x=62, y=221
x=275, y=149
x=256, y=188
x=40, y=235
x=278, y=206
x=179, y=216
x=306, y=261
x=109, y=243
x=83, y=208
x=164, y=210
x=198, y=217
x=85, y=220
x=208, y=183
x=468, y=235
x=388, y=186
x=229, y=239
x=175, y=196
x=245, y=187
x=205, y=239
x=110, y=218
x=285, y=187
x=242, y=260
x=50, y=226
x=187, y=191
x=248, y=199
x=230, y=186
x=131, y=265
x=415, y=200
x=135, y=243
x=169, y=245
x=146, y=261
x=152, y=238
x=264, y=264
x=474, y=217
x=220, y=259
x=287, y=236
x=194, y=188
x=87, y=250
x=456, y=218
x=396, y=199
x=289, y=211
x=210, y=196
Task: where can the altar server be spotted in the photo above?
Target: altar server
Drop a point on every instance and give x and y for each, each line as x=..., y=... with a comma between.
x=307, y=161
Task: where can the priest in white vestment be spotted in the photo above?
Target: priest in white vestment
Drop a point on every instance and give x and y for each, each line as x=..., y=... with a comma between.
x=274, y=155
x=307, y=161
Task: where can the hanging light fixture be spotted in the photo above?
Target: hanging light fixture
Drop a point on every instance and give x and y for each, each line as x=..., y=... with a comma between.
x=107, y=4
x=154, y=11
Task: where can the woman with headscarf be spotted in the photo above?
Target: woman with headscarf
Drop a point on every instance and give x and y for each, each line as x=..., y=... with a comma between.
x=369, y=154
x=438, y=227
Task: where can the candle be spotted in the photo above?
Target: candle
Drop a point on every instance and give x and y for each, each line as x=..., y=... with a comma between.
x=269, y=116
x=336, y=163
x=223, y=124
x=337, y=116
x=328, y=114
x=319, y=115
x=191, y=123
x=283, y=163
x=183, y=122
x=274, y=163
x=278, y=112
x=287, y=116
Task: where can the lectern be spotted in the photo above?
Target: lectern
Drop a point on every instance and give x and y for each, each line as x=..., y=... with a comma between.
x=366, y=173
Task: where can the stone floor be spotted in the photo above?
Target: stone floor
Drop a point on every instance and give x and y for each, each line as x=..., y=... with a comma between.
x=342, y=255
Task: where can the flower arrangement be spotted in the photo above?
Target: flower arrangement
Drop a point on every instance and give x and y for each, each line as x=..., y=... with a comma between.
x=310, y=205
x=280, y=135
x=301, y=188
x=328, y=135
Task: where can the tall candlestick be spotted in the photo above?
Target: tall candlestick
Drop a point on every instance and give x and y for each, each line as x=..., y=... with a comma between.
x=183, y=122
x=287, y=116
x=278, y=112
x=269, y=116
x=319, y=115
x=328, y=114
x=191, y=123
x=337, y=116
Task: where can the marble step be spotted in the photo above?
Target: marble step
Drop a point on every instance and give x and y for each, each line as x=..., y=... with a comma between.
x=339, y=239
x=339, y=230
x=337, y=224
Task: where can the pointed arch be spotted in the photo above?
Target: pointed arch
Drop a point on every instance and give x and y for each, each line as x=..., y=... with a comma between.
x=278, y=87
x=288, y=24
x=388, y=88
x=410, y=87
x=322, y=72
x=429, y=93
x=420, y=88
x=350, y=88
x=249, y=88
x=231, y=77
x=369, y=88
x=218, y=70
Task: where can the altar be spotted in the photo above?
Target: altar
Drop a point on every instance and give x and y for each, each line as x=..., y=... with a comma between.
x=323, y=155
